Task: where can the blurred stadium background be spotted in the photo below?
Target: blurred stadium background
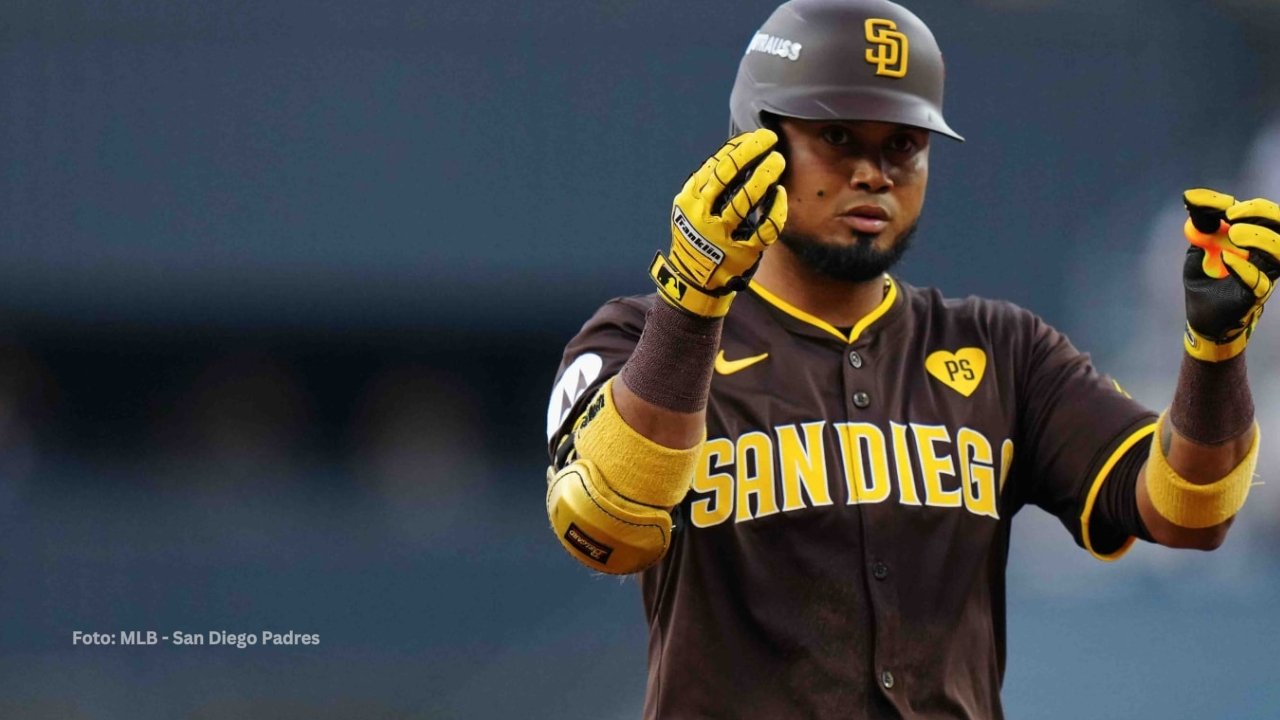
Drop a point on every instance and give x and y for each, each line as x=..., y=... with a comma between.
x=283, y=287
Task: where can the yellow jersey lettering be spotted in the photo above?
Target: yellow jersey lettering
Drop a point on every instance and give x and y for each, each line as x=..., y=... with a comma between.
x=902, y=463
x=977, y=474
x=1006, y=462
x=755, y=477
x=866, y=465
x=933, y=466
x=803, y=464
x=716, y=509
x=743, y=478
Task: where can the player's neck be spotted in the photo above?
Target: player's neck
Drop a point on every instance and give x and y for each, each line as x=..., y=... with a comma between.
x=838, y=302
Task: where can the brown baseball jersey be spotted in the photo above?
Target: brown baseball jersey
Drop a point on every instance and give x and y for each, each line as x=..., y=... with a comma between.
x=842, y=551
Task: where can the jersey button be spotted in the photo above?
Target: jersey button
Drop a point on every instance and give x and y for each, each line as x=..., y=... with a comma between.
x=886, y=679
x=861, y=400
x=880, y=571
x=855, y=359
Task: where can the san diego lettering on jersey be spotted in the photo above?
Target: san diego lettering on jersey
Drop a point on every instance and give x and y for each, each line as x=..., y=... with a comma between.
x=759, y=474
x=773, y=45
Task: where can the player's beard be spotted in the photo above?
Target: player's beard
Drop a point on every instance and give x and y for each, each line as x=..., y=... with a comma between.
x=855, y=262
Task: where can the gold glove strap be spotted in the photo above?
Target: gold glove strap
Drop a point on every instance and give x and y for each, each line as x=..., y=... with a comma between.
x=1202, y=348
x=1189, y=505
x=633, y=465
x=684, y=295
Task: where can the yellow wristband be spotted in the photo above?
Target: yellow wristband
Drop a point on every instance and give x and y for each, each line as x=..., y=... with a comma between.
x=1189, y=505
x=634, y=466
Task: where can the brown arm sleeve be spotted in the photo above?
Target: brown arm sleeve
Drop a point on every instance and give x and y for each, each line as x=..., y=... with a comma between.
x=665, y=383
x=671, y=365
x=1212, y=403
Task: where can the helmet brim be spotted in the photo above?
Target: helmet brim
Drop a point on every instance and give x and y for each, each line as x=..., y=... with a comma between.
x=842, y=103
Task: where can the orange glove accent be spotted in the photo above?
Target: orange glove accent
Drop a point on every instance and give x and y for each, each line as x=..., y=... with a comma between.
x=1213, y=245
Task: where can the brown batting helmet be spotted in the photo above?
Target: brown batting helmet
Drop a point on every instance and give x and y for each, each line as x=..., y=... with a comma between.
x=841, y=60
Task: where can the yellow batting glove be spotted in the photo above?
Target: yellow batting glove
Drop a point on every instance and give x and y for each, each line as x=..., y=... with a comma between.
x=1230, y=270
x=723, y=219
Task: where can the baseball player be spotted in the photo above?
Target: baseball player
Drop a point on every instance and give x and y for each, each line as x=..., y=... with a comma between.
x=812, y=464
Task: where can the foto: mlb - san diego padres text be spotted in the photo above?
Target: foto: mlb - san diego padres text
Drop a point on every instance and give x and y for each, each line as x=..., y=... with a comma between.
x=209, y=637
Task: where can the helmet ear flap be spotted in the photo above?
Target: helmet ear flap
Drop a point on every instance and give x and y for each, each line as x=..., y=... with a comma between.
x=771, y=121
x=774, y=122
x=765, y=119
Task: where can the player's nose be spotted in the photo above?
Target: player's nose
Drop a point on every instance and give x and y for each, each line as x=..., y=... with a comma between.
x=868, y=175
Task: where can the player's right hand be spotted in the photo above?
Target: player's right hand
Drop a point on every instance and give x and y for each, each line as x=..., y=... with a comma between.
x=723, y=219
x=1230, y=270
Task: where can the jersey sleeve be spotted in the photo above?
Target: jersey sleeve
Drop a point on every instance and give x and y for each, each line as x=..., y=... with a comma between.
x=1079, y=432
x=594, y=355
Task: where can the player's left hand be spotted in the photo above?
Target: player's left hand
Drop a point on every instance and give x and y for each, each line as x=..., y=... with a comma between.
x=1230, y=270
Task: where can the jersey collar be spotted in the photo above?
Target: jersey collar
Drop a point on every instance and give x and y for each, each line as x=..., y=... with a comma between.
x=890, y=300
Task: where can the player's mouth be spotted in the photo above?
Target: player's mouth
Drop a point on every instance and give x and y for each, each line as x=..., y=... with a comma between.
x=869, y=219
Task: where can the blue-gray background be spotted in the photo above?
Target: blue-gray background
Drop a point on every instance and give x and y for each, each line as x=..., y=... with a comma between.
x=283, y=287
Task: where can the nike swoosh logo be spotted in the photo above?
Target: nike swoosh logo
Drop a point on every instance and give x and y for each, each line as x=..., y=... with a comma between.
x=729, y=367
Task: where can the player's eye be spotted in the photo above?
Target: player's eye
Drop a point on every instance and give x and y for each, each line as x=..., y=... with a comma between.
x=836, y=135
x=902, y=144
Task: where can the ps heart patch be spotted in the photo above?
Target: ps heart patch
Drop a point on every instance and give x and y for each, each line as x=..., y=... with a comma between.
x=960, y=370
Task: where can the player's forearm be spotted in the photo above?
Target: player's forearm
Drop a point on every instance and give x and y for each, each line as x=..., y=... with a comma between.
x=1208, y=432
x=1210, y=427
x=663, y=387
x=1212, y=406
